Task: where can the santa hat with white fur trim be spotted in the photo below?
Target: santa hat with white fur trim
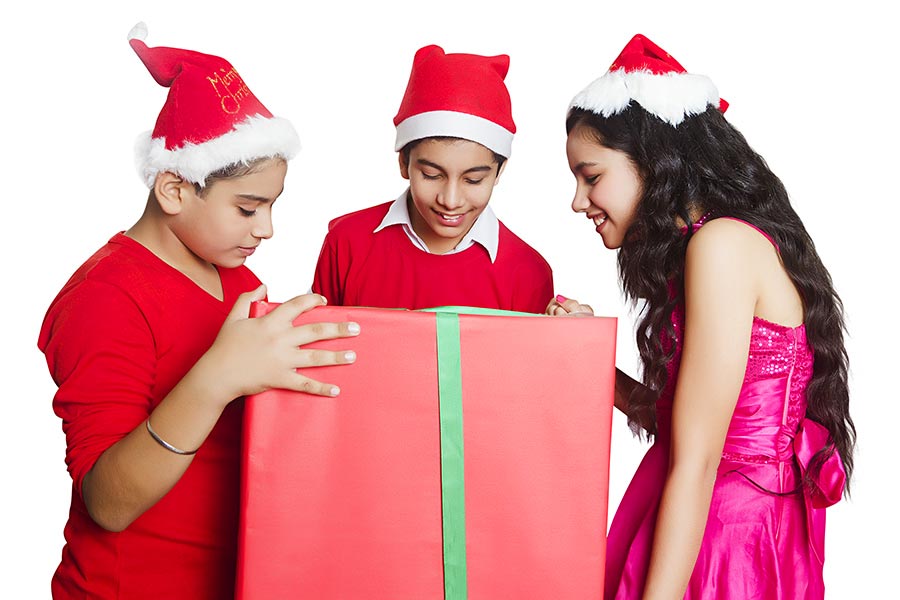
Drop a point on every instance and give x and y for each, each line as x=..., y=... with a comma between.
x=457, y=95
x=647, y=74
x=210, y=119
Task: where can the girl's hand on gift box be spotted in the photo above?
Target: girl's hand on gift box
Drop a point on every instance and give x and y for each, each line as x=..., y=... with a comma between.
x=567, y=307
x=252, y=355
x=625, y=386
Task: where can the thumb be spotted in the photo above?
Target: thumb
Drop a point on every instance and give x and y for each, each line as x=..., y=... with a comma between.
x=241, y=308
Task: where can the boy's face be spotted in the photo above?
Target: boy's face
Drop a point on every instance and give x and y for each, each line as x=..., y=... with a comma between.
x=450, y=182
x=226, y=223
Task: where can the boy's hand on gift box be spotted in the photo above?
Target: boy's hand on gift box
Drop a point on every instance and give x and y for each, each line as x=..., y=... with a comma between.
x=251, y=355
x=565, y=307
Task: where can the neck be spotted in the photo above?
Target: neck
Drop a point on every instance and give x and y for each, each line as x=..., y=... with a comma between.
x=696, y=214
x=151, y=232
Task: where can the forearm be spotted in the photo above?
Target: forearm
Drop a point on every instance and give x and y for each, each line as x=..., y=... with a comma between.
x=680, y=524
x=135, y=472
x=625, y=387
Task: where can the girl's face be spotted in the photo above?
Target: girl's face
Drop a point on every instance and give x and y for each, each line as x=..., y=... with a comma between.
x=450, y=182
x=607, y=186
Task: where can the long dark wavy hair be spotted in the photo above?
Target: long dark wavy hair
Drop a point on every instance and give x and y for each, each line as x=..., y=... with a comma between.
x=705, y=166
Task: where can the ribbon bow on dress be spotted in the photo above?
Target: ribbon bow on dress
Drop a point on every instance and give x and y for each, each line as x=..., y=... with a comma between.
x=827, y=487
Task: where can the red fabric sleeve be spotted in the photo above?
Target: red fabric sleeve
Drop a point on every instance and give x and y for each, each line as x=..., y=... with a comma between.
x=101, y=354
x=535, y=292
x=532, y=278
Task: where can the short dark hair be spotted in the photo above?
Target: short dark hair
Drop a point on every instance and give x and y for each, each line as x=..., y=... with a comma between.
x=232, y=171
x=405, y=150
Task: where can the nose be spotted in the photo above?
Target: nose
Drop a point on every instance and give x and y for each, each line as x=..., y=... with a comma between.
x=451, y=196
x=262, y=224
x=580, y=202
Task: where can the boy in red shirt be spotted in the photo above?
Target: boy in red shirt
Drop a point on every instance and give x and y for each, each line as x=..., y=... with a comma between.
x=439, y=243
x=151, y=346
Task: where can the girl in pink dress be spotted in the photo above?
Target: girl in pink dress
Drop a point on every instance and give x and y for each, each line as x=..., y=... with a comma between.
x=741, y=339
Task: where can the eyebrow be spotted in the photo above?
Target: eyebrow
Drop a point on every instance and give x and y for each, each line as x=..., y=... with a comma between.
x=255, y=198
x=428, y=163
x=584, y=164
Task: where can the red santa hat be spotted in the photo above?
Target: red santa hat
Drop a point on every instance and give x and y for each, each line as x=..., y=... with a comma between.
x=457, y=95
x=210, y=119
x=647, y=74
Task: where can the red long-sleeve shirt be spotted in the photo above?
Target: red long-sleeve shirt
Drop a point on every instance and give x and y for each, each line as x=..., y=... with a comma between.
x=119, y=336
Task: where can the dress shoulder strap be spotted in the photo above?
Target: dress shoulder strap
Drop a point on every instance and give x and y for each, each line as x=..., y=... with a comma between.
x=767, y=236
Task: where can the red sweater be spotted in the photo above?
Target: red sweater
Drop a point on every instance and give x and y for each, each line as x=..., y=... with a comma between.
x=359, y=268
x=118, y=337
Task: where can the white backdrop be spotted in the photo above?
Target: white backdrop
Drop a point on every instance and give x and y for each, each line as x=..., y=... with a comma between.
x=807, y=85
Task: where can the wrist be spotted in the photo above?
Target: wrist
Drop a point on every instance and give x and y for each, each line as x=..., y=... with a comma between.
x=212, y=383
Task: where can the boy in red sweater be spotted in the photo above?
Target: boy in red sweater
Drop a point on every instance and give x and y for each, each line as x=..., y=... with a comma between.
x=439, y=243
x=150, y=345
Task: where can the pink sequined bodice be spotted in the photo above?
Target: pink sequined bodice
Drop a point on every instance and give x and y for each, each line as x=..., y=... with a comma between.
x=779, y=364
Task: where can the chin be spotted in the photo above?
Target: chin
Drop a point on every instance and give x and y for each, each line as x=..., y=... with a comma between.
x=611, y=244
x=230, y=263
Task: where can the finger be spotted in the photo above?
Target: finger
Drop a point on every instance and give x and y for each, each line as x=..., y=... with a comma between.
x=314, y=332
x=566, y=304
x=570, y=305
x=581, y=309
x=551, y=307
x=296, y=306
x=556, y=310
x=556, y=306
x=301, y=383
x=306, y=357
x=573, y=306
x=241, y=307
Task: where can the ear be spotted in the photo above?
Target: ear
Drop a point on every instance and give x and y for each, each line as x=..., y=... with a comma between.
x=500, y=171
x=170, y=190
x=404, y=165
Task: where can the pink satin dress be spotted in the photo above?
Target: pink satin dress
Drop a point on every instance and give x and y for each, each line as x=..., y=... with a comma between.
x=764, y=536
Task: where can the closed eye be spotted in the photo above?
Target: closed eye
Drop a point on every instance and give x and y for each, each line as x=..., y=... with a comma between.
x=246, y=213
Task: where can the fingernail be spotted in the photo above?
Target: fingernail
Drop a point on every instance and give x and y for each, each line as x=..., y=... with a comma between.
x=335, y=391
x=353, y=328
x=324, y=299
x=560, y=298
x=350, y=356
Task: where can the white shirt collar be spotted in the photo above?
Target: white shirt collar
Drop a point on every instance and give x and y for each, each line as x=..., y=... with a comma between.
x=485, y=230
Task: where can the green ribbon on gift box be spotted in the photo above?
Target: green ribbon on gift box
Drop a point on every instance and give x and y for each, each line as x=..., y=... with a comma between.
x=453, y=489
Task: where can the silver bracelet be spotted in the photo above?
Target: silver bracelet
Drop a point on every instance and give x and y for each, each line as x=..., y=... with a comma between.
x=166, y=444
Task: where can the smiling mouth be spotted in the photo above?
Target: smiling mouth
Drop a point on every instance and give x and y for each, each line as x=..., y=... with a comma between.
x=598, y=219
x=450, y=219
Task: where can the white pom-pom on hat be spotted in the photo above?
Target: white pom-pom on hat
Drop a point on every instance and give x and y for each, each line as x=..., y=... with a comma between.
x=138, y=32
